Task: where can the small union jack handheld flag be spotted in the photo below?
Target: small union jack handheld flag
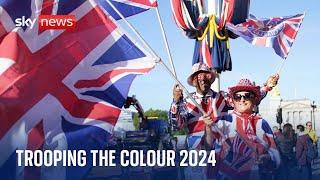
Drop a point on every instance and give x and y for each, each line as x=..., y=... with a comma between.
x=278, y=33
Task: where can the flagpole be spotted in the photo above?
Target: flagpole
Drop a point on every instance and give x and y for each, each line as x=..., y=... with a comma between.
x=280, y=67
x=174, y=75
x=164, y=36
x=182, y=86
x=133, y=29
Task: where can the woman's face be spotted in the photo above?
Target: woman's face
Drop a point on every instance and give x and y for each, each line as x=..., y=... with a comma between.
x=243, y=101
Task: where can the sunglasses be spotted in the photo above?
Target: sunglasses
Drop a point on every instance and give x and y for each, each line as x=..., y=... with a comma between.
x=246, y=96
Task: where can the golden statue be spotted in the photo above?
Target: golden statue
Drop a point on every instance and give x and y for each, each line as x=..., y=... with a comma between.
x=275, y=92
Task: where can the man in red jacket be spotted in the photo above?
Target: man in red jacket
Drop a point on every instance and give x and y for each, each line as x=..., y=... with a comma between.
x=305, y=171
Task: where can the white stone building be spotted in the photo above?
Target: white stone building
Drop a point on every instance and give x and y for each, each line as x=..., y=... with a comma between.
x=125, y=122
x=294, y=111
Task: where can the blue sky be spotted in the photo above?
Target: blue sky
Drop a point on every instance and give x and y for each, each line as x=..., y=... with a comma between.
x=299, y=77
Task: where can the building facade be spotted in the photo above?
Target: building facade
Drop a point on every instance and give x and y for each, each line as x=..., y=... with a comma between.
x=294, y=111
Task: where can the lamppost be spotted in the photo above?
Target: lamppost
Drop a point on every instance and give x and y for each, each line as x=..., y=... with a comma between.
x=313, y=106
x=279, y=116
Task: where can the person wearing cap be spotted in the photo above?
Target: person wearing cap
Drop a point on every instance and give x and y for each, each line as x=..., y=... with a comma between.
x=184, y=113
x=246, y=148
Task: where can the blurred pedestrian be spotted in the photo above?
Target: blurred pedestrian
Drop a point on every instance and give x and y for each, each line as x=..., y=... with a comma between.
x=304, y=166
x=286, y=143
x=311, y=132
x=276, y=131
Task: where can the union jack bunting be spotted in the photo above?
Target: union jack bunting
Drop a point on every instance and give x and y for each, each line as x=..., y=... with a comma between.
x=61, y=89
x=278, y=33
x=127, y=7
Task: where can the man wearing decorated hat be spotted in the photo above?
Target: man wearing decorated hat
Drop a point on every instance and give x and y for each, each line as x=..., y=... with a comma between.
x=183, y=112
x=246, y=148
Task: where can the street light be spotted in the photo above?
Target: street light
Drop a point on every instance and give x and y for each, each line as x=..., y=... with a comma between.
x=279, y=116
x=313, y=106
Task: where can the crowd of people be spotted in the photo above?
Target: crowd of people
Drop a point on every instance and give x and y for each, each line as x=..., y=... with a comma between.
x=245, y=145
x=297, y=150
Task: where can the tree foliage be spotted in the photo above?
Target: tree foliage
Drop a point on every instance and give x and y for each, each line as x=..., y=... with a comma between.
x=151, y=113
x=161, y=114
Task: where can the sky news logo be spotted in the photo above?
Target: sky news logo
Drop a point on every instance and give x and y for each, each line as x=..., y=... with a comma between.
x=46, y=22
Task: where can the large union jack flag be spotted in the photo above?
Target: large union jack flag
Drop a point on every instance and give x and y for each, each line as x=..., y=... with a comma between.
x=61, y=89
x=127, y=7
x=278, y=33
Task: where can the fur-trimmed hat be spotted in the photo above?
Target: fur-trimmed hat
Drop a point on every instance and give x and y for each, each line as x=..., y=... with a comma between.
x=198, y=68
x=246, y=85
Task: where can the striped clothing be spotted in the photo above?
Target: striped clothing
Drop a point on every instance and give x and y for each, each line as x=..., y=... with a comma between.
x=245, y=137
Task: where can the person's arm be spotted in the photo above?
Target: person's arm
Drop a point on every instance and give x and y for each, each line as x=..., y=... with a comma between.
x=178, y=110
x=226, y=102
x=314, y=137
x=178, y=114
x=213, y=133
x=266, y=137
x=264, y=91
x=269, y=85
x=208, y=135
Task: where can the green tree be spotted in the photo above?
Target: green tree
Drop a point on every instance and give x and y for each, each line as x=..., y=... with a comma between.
x=150, y=113
x=136, y=121
x=157, y=113
x=160, y=114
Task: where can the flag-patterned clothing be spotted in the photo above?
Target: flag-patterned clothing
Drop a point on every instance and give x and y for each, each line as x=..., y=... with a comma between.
x=245, y=137
x=278, y=33
x=185, y=113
